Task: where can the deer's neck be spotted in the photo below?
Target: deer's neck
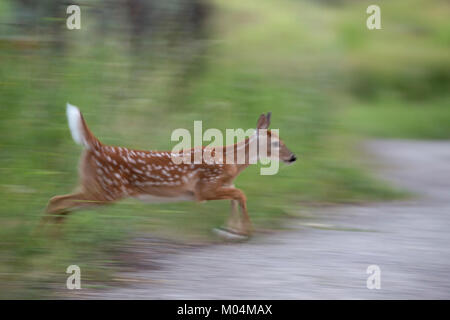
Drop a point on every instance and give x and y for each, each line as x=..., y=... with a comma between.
x=243, y=153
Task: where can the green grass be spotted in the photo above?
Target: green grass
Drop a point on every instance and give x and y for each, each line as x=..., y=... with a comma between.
x=301, y=60
x=391, y=118
x=397, y=79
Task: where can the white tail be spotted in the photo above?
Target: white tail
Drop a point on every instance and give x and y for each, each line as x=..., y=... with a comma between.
x=78, y=128
x=110, y=173
x=74, y=119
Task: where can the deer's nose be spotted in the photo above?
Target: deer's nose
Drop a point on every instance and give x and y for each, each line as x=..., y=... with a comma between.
x=293, y=158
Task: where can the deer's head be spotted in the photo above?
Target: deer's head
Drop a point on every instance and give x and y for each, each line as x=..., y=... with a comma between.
x=276, y=148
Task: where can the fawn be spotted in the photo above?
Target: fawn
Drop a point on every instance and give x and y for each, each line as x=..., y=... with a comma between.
x=108, y=174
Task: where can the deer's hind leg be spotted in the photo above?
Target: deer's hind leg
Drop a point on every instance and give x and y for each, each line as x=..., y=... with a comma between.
x=60, y=206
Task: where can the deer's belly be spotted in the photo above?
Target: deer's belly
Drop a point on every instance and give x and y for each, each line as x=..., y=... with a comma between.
x=159, y=199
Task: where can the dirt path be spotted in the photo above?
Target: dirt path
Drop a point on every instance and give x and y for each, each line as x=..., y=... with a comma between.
x=326, y=257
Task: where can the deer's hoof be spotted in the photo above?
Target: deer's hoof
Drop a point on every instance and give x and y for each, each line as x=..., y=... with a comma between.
x=230, y=234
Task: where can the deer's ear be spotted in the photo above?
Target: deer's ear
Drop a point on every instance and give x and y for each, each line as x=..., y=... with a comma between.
x=264, y=121
x=261, y=122
x=269, y=114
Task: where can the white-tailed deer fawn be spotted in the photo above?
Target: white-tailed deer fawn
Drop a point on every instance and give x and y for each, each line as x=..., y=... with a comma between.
x=108, y=174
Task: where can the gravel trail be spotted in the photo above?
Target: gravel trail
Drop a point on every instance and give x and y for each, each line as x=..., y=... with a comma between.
x=326, y=256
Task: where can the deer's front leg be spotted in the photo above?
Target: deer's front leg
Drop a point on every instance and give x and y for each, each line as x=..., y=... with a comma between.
x=233, y=194
x=234, y=220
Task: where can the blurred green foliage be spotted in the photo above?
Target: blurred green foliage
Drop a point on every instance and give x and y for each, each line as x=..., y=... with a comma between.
x=326, y=78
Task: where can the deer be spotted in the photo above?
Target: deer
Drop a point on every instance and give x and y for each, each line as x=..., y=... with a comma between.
x=108, y=174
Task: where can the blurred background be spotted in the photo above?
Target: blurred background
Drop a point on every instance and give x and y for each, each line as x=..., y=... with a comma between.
x=140, y=69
